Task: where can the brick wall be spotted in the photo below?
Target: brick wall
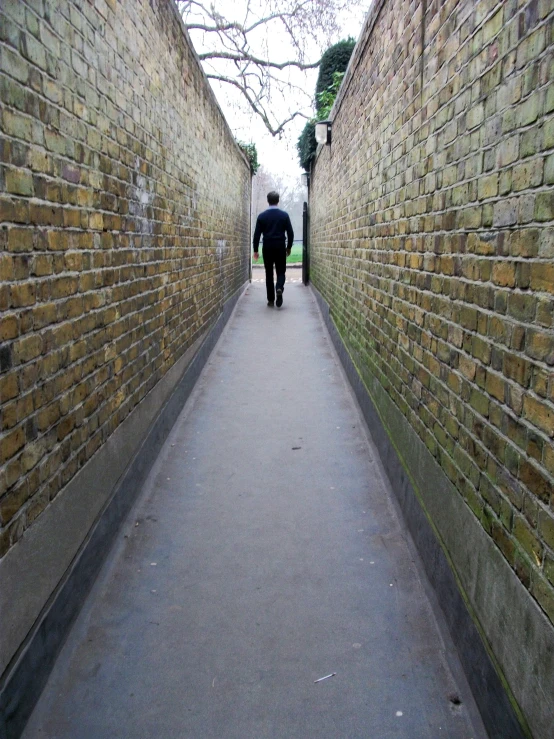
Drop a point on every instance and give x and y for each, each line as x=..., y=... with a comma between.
x=125, y=206
x=432, y=240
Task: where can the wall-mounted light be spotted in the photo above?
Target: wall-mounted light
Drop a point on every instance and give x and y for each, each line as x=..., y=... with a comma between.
x=323, y=132
x=305, y=179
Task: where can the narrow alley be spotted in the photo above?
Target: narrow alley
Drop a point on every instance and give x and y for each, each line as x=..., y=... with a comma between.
x=264, y=553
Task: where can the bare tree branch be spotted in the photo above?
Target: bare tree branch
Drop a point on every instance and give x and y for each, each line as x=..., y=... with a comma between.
x=255, y=60
x=256, y=107
x=260, y=48
x=240, y=26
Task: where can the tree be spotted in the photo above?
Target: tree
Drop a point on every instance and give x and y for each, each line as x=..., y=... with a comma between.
x=333, y=62
x=261, y=48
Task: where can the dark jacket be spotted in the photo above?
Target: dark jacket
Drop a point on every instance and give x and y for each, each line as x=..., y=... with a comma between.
x=273, y=223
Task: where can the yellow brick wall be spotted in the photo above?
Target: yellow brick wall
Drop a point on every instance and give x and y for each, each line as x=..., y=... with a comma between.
x=125, y=211
x=432, y=240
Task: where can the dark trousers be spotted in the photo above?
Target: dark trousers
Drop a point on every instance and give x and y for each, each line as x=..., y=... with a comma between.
x=274, y=255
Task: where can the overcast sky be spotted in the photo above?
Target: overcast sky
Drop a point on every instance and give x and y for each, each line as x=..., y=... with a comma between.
x=280, y=156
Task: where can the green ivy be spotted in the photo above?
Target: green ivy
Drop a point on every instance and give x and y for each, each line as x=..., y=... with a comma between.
x=335, y=59
x=251, y=154
x=307, y=145
x=326, y=99
x=331, y=73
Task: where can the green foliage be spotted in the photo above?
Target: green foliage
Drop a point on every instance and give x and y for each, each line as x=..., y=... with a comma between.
x=251, y=154
x=307, y=145
x=295, y=253
x=331, y=73
x=327, y=98
x=335, y=59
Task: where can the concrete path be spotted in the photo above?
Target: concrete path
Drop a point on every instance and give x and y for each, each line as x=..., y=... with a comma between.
x=265, y=552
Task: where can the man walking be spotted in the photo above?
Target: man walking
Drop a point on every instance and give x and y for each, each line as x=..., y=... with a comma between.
x=274, y=224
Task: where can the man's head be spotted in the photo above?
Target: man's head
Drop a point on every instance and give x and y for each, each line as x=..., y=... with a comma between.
x=273, y=197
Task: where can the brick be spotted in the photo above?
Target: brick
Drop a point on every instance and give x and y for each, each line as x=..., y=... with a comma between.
x=539, y=413
x=33, y=51
x=65, y=427
x=472, y=217
x=49, y=40
x=488, y=186
x=535, y=480
x=549, y=170
x=545, y=312
x=529, y=110
x=546, y=243
x=549, y=568
x=12, y=502
x=505, y=212
x=522, y=306
x=540, y=381
x=20, y=240
x=63, y=287
x=523, y=568
x=13, y=64
x=544, y=594
x=9, y=326
x=549, y=100
x=479, y=402
x=17, y=125
x=19, y=182
x=28, y=348
x=42, y=265
x=542, y=277
x=526, y=208
x=546, y=528
x=16, y=12
x=527, y=174
x=548, y=134
x=6, y=357
x=493, y=26
x=475, y=116
x=504, y=274
x=540, y=345
x=531, y=46
x=55, y=141
x=44, y=314
x=9, y=388
x=496, y=386
x=507, y=152
x=22, y=295
x=58, y=240
x=528, y=539
x=544, y=206
x=6, y=267
x=529, y=143
x=525, y=242
x=11, y=443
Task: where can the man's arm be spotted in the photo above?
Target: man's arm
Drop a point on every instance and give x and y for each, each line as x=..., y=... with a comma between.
x=290, y=234
x=257, y=234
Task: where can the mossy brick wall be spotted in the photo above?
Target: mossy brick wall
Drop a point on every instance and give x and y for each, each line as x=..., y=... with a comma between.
x=432, y=240
x=125, y=227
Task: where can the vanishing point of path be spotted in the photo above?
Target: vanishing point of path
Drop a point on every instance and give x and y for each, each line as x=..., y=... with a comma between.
x=264, y=553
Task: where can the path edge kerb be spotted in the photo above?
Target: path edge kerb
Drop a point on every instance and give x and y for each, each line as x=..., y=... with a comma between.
x=501, y=715
x=28, y=672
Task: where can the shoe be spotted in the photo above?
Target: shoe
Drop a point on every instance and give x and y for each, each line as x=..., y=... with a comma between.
x=279, y=302
x=270, y=303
